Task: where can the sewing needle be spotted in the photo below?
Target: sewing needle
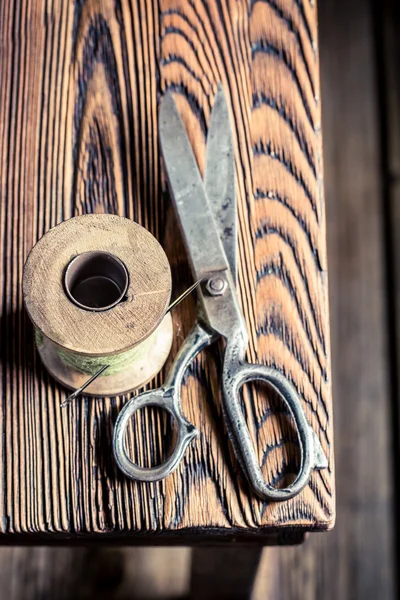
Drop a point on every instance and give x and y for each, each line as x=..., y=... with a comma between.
x=79, y=391
x=183, y=296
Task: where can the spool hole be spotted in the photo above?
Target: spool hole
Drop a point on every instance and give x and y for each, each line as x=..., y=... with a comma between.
x=96, y=280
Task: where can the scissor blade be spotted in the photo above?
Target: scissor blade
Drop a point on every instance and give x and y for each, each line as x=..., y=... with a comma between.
x=203, y=243
x=219, y=180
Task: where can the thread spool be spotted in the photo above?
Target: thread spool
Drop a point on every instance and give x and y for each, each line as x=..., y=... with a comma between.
x=96, y=288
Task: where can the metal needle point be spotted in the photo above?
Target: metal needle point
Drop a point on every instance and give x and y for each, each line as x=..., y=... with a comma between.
x=79, y=391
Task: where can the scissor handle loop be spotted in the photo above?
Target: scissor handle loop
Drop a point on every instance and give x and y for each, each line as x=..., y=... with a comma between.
x=162, y=398
x=167, y=398
x=234, y=376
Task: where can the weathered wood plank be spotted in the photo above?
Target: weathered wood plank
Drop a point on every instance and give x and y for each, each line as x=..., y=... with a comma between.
x=357, y=560
x=78, y=127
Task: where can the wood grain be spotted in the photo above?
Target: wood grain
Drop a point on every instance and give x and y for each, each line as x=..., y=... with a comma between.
x=78, y=127
x=357, y=560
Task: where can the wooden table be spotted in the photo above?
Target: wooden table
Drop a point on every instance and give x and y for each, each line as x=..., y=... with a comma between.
x=80, y=84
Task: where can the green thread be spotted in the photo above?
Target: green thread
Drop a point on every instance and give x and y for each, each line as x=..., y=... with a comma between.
x=38, y=337
x=89, y=365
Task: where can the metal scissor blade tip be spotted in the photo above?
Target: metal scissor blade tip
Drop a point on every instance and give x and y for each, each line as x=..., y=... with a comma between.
x=187, y=192
x=220, y=177
x=168, y=109
x=220, y=102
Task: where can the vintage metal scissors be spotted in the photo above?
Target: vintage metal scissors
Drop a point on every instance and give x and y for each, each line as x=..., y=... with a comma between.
x=207, y=215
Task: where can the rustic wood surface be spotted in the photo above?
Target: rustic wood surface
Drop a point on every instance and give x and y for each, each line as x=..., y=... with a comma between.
x=356, y=561
x=78, y=128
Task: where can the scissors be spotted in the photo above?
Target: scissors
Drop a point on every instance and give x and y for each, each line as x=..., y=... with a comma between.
x=207, y=214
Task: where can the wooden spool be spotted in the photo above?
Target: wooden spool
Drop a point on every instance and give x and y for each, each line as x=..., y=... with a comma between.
x=136, y=268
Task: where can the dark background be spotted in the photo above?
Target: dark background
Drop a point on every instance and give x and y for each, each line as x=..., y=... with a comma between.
x=360, y=80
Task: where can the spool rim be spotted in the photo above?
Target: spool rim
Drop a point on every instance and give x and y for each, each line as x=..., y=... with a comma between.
x=51, y=310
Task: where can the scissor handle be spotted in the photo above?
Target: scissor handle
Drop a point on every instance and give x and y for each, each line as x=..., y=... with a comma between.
x=234, y=376
x=167, y=398
x=162, y=398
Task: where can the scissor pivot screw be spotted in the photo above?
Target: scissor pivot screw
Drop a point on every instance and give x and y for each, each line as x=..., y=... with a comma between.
x=216, y=286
